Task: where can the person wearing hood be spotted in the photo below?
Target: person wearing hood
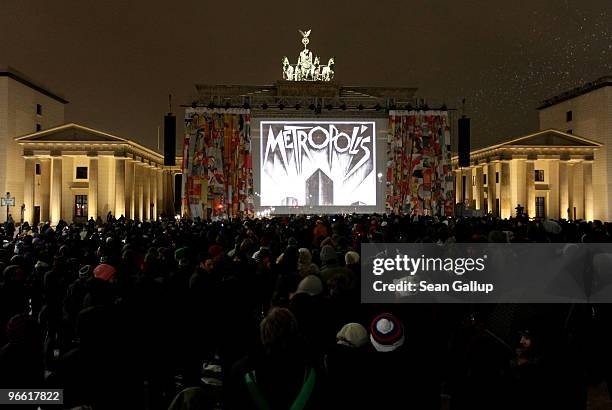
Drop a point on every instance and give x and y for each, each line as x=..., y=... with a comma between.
x=305, y=265
x=330, y=266
x=419, y=388
x=21, y=359
x=319, y=232
x=346, y=366
x=281, y=375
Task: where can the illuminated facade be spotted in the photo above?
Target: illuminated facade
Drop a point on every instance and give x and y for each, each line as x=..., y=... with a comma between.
x=562, y=171
x=548, y=173
x=25, y=107
x=314, y=147
x=75, y=173
x=587, y=111
x=70, y=172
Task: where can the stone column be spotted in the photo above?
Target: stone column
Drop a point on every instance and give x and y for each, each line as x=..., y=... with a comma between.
x=530, y=176
x=160, y=191
x=153, y=184
x=56, y=190
x=146, y=189
x=563, y=194
x=45, y=189
x=129, y=188
x=120, y=187
x=138, y=191
x=469, y=190
x=92, y=192
x=553, y=208
x=588, y=190
x=479, y=188
x=491, y=188
x=170, y=194
x=166, y=188
x=504, y=197
x=459, y=186
x=520, y=185
x=570, y=190
x=28, y=190
x=577, y=190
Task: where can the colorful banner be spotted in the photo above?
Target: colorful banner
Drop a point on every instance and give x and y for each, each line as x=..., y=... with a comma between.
x=217, y=164
x=419, y=177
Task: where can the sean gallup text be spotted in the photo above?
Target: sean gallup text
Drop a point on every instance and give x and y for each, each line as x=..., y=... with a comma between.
x=423, y=286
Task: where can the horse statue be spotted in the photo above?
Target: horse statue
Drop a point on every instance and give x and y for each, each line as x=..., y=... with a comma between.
x=314, y=68
x=327, y=74
x=286, y=68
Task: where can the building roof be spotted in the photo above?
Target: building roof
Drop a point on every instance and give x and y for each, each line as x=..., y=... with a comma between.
x=71, y=133
x=575, y=92
x=304, y=94
x=547, y=140
x=19, y=77
x=79, y=135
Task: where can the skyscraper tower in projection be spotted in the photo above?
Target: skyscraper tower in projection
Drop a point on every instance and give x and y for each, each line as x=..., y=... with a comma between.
x=319, y=189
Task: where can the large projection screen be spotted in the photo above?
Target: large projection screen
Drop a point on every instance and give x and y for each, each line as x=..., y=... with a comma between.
x=319, y=166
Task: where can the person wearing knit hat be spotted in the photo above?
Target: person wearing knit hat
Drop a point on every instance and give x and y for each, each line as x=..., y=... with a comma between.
x=348, y=368
x=21, y=359
x=305, y=265
x=105, y=272
x=310, y=285
x=386, y=333
x=351, y=258
x=85, y=271
x=215, y=252
x=180, y=253
x=330, y=266
x=319, y=232
x=41, y=265
x=21, y=328
x=328, y=255
x=352, y=335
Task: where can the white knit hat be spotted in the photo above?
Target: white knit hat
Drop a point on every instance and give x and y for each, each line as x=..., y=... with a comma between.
x=311, y=285
x=351, y=258
x=352, y=335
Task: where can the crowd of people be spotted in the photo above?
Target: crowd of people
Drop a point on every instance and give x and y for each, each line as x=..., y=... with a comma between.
x=266, y=314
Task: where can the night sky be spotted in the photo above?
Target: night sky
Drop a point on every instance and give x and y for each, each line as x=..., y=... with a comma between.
x=117, y=64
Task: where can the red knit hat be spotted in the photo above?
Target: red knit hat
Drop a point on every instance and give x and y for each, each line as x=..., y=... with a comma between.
x=215, y=250
x=104, y=271
x=20, y=328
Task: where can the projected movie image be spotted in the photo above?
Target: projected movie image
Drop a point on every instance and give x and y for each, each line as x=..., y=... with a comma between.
x=318, y=163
